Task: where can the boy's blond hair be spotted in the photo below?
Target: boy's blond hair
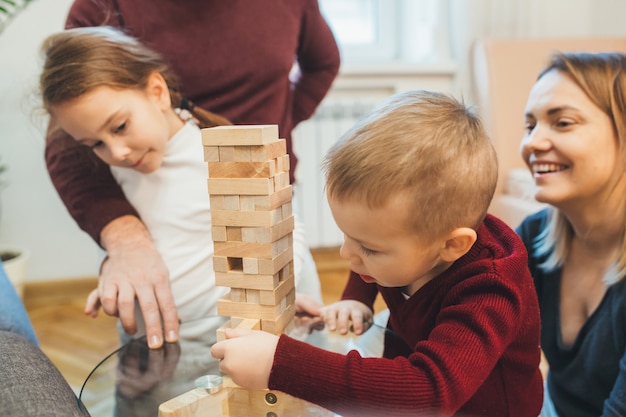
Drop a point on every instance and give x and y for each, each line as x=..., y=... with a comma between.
x=425, y=145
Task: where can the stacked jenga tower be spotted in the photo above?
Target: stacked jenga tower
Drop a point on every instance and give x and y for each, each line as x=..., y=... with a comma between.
x=252, y=226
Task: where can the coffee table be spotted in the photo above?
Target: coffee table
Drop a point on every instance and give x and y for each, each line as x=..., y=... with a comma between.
x=183, y=380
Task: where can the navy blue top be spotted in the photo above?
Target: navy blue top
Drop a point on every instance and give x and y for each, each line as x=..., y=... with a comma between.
x=587, y=378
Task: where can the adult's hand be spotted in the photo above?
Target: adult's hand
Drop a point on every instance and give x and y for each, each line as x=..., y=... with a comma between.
x=140, y=369
x=134, y=270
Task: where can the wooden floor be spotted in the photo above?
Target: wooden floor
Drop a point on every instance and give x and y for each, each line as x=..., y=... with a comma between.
x=76, y=343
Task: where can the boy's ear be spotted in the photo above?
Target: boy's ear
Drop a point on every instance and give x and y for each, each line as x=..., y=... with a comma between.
x=157, y=87
x=458, y=243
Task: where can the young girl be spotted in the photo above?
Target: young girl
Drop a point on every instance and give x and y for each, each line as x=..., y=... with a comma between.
x=575, y=147
x=119, y=98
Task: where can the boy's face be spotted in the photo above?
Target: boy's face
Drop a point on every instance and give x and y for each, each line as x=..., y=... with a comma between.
x=125, y=128
x=382, y=247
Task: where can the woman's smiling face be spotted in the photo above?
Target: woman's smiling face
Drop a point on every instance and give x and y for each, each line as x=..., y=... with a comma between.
x=570, y=144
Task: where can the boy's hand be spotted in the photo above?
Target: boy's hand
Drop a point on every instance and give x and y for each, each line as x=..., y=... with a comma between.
x=339, y=315
x=247, y=356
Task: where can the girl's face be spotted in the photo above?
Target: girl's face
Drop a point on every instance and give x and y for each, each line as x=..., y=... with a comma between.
x=380, y=246
x=570, y=146
x=124, y=127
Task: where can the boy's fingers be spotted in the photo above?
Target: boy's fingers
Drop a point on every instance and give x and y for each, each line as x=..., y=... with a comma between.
x=233, y=333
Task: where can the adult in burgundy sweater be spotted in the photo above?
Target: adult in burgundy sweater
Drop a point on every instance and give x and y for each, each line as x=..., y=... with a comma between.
x=410, y=186
x=233, y=57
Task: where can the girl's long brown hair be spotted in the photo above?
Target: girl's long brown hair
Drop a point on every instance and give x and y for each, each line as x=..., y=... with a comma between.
x=81, y=59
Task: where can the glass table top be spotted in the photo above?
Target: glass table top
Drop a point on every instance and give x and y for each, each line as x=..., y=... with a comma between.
x=134, y=381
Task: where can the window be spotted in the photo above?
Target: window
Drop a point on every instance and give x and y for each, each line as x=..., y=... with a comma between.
x=388, y=30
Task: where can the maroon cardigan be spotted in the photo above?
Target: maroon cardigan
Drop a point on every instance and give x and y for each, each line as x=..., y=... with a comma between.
x=232, y=57
x=466, y=344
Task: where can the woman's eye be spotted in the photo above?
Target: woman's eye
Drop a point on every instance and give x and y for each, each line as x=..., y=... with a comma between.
x=529, y=127
x=563, y=123
x=96, y=145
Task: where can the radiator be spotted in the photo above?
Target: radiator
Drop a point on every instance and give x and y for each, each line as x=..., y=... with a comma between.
x=311, y=141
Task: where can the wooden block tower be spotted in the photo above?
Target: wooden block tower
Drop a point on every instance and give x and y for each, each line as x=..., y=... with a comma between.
x=250, y=194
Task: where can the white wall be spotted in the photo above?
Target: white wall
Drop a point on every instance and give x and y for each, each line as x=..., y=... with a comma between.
x=32, y=214
x=34, y=217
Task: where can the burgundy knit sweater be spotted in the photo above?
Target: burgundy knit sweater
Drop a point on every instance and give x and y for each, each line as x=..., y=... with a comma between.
x=466, y=344
x=232, y=57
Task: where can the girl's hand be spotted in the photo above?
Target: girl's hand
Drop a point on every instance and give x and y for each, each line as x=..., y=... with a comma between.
x=247, y=356
x=338, y=316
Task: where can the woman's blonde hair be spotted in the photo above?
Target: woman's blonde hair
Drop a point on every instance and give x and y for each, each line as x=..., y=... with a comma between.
x=426, y=146
x=602, y=77
x=78, y=60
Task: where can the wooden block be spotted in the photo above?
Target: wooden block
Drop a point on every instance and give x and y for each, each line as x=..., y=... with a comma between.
x=217, y=202
x=286, y=271
x=244, y=169
x=237, y=295
x=240, y=186
x=245, y=323
x=250, y=266
x=282, y=163
x=252, y=249
x=237, y=323
x=246, y=218
x=255, y=403
x=253, y=296
x=268, y=234
x=242, y=153
x=254, y=153
x=286, y=210
x=273, y=297
x=233, y=234
x=270, y=150
x=227, y=153
x=226, y=307
x=281, y=180
x=247, y=202
x=231, y=202
x=239, y=279
x=211, y=154
x=239, y=135
x=278, y=325
x=272, y=266
x=274, y=200
x=218, y=233
x=191, y=403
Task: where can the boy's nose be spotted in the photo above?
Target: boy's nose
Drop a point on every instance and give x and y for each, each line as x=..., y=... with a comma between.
x=347, y=252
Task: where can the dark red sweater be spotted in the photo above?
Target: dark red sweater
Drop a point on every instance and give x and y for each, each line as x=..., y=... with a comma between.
x=466, y=344
x=232, y=57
